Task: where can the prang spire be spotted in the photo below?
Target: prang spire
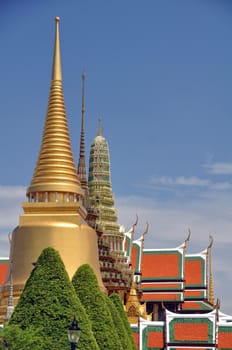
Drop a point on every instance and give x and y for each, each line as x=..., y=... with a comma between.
x=55, y=176
x=81, y=169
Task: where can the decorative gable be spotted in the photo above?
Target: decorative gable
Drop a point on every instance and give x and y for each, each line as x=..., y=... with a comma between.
x=194, y=329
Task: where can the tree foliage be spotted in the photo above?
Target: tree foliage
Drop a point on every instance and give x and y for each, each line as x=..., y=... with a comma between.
x=49, y=303
x=118, y=304
x=15, y=338
x=119, y=326
x=92, y=298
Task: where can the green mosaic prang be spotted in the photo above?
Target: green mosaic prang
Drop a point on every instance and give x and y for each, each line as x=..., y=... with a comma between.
x=203, y=270
x=199, y=321
x=101, y=197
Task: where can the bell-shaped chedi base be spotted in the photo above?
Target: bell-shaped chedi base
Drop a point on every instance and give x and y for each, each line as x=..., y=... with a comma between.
x=58, y=225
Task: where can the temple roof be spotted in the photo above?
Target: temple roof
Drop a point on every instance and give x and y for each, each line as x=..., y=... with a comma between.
x=4, y=264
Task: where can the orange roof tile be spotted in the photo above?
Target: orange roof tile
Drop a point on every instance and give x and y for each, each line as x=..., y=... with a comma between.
x=194, y=271
x=136, y=339
x=161, y=296
x=165, y=286
x=224, y=339
x=191, y=331
x=196, y=305
x=163, y=265
x=193, y=293
x=155, y=340
x=3, y=271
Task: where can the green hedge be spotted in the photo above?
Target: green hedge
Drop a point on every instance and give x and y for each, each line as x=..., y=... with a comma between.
x=119, y=326
x=47, y=306
x=118, y=304
x=92, y=298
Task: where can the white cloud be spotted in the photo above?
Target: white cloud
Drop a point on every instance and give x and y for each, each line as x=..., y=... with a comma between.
x=11, y=198
x=219, y=168
x=12, y=192
x=168, y=182
x=179, y=181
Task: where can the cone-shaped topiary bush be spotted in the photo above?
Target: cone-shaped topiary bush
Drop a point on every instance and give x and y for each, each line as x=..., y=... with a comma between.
x=15, y=338
x=48, y=304
x=118, y=304
x=92, y=298
x=119, y=325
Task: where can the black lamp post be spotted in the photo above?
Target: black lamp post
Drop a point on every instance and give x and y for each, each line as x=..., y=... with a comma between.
x=74, y=333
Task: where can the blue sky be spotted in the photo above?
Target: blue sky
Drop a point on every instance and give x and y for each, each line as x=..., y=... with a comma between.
x=160, y=74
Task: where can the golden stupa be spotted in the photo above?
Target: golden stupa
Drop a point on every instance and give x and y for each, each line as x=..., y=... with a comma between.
x=54, y=215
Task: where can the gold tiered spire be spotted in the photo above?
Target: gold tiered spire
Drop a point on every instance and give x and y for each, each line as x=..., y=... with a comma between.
x=55, y=173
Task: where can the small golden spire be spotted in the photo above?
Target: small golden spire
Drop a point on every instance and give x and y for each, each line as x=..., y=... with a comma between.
x=211, y=286
x=55, y=170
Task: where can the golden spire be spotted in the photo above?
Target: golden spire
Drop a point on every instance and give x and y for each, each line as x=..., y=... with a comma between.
x=56, y=69
x=211, y=287
x=55, y=173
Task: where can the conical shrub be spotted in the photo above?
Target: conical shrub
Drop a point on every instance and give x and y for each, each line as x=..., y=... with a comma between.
x=93, y=300
x=119, y=325
x=49, y=303
x=118, y=304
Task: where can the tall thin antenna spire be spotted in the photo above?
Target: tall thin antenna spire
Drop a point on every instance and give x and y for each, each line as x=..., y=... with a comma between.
x=99, y=128
x=81, y=169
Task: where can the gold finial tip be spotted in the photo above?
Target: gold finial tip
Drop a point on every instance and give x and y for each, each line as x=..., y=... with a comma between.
x=57, y=19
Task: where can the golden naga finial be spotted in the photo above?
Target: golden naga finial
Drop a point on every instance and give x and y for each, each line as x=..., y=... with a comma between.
x=211, y=242
x=189, y=235
x=136, y=221
x=133, y=228
x=144, y=233
x=135, y=224
x=187, y=239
